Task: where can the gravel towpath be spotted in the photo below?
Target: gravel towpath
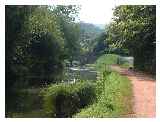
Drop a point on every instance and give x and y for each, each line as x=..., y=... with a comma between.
x=144, y=92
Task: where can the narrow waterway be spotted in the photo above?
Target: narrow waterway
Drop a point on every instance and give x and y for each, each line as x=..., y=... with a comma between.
x=75, y=74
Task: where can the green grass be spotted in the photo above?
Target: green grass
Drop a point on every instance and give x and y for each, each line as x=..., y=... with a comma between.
x=115, y=99
x=114, y=92
x=125, y=65
x=105, y=60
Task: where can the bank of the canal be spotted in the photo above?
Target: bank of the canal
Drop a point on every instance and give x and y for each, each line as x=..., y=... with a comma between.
x=88, y=91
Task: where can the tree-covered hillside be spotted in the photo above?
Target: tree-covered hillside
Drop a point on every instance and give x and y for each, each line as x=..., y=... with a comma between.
x=88, y=33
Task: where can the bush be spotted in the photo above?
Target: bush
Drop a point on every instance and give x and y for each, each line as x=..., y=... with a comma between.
x=63, y=100
x=66, y=104
x=86, y=94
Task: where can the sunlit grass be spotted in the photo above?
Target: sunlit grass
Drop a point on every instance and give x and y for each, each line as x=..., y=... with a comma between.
x=115, y=100
x=106, y=60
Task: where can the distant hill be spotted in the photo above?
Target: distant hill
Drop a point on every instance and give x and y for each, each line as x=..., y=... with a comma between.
x=101, y=26
x=91, y=28
x=88, y=33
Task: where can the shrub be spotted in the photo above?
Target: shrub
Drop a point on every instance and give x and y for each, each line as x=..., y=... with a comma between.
x=86, y=94
x=66, y=104
x=63, y=100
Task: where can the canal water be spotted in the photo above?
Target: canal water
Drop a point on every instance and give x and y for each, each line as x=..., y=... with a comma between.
x=74, y=74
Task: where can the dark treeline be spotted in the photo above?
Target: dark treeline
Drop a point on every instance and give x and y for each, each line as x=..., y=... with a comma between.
x=38, y=41
x=134, y=30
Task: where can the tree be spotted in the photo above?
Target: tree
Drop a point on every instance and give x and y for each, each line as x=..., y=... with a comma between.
x=134, y=28
x=36, y=46
x=101, y=47
x=45, y=46
x=14, y=70
x=88, y=35
x=42, y=36
x=37, y=39
x=66, y=16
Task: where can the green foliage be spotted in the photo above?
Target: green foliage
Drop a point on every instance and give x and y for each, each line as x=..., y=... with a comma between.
x=15, y=70
x=126, y=65
x=63, y=100
x=38, y=40
x=25, y=101
x=39, y=45
x=88, y=33
x=115, y=98
x=72, y=47
x=66, y=16
x=105, y=60
x=45, y=58
x=46, y=45
x=101, y=46
x=30, y=114
x=67, y=12
x=36, y=45
x=134, y=28
x=86, y=94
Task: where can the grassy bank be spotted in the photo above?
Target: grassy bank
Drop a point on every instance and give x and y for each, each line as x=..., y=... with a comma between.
x=114, y=101
x=114, y=92
x=106, y=60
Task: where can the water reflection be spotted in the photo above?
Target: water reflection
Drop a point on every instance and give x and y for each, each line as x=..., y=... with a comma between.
x=74, y=74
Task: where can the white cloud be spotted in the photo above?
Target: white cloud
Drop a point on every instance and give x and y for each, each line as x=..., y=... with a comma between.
x=97, y=12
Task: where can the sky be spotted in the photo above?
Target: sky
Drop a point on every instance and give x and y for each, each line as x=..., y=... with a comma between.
x=97, y=12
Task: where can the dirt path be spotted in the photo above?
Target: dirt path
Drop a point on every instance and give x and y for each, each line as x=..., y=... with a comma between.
x=144, y=92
